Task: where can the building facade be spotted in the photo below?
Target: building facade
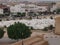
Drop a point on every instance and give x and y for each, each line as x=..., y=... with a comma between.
x=4, y=9
x=1, y=11
x=57, y=25
x=29, y=6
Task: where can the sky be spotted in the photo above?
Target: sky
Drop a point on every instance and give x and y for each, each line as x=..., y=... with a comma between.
x=26, y=0
x=43, y=0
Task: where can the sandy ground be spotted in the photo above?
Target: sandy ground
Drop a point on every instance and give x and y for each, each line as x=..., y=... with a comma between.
x=5, y=40
x=50, y=37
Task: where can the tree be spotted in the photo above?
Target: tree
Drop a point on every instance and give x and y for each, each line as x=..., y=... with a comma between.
x=30, y=18
x=45, y=29
x=1, y=33
x=58, y=10
x=34, y=14
x=39, y=13
x=18, y=14
x=30, y=27
x=31, y=13
x=51, y=17
x=23, y=14
x=51, y=27
x=18, y=31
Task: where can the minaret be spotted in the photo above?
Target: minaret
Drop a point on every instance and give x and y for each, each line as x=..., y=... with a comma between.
x=26, y=8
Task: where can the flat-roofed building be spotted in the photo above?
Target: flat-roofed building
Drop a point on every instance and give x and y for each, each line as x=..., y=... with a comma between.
x=57, y=25
x=4, y=9
x=1, y=11
x=58, y=4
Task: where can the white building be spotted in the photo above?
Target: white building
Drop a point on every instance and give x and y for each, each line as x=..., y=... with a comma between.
x=17, y=8
x=21, y=7
x=53, y=8
x=41, y=8
x=1, y=11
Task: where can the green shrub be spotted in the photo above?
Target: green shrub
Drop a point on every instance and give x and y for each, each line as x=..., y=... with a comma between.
x=45, y=29
x=51, y=17
x=31, y=28
x=50, y=27
x=1, y=33
x=18, y=31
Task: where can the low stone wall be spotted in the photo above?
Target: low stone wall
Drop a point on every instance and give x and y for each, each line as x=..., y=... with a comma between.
x=36, y=40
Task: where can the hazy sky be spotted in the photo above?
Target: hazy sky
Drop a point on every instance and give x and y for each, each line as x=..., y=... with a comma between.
x=26, y=0
x=43, y=0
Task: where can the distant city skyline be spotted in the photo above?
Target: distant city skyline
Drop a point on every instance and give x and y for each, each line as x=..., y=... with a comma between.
x=40, y=0
x=35, y=0
x=25, y=0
